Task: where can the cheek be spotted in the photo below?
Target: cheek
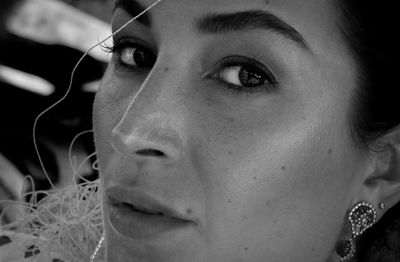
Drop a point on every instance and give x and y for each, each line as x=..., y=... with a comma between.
x=108, y=109
x=288, y=189
x=309, y=197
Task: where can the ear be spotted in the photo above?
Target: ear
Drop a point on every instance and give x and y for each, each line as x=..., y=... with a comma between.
x=382, y=182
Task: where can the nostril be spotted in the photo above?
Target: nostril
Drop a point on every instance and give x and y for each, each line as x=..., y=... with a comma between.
x=148, y=145
x=150, y=152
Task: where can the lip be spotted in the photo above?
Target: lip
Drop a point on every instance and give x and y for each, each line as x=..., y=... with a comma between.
x=137, y=215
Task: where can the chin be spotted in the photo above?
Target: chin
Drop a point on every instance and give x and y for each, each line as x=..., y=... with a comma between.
x=167, y=248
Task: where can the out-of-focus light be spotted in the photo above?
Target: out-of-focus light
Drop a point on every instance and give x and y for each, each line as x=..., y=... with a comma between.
x=11, y=177
x=26, y=81
x=11, y=188
x=55, y=22
x=91, y=87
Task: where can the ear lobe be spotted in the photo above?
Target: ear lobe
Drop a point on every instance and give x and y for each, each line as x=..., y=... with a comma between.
x=383, y=184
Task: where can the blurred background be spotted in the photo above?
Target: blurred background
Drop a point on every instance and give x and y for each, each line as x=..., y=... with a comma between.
x=40, y=43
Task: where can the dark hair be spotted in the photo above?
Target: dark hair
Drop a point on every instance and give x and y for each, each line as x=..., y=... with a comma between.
x=369, y=28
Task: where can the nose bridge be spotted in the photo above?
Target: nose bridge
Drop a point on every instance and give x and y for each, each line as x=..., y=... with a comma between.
x=151, y=126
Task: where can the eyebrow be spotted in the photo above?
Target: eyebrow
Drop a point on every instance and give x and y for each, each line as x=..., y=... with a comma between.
x=133, y=8
x=248, y=20
x=224, y=23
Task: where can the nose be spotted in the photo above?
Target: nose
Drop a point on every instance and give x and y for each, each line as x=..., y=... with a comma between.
x=151, y=140
x=152, y=125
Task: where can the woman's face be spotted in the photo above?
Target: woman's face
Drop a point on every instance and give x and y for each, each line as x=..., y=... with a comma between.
x=223, y=132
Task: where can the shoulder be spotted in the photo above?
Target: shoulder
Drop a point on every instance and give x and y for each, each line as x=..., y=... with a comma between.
x=20, y=247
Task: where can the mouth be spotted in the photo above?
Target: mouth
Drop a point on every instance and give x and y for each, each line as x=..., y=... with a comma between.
x=142, y=210
x=137, y=215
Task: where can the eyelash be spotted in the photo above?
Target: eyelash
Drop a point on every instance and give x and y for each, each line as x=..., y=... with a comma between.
x=227, y=62
x=118, y=46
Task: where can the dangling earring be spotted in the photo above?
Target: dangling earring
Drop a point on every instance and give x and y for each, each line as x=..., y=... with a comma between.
x=96, y=250
x=345, y=249
x=361, y=217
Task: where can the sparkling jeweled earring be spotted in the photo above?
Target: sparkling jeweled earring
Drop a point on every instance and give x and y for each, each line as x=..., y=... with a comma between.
x=361, y=217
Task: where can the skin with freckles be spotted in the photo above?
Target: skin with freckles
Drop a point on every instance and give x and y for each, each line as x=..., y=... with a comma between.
x=265, y=174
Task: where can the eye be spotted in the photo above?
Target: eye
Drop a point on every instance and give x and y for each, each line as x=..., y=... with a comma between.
x=133, y=54
x=242, y=74
x=137, y=57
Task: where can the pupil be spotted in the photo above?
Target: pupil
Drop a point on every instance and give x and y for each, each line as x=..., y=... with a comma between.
x=143, y=58
x=250, y=78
